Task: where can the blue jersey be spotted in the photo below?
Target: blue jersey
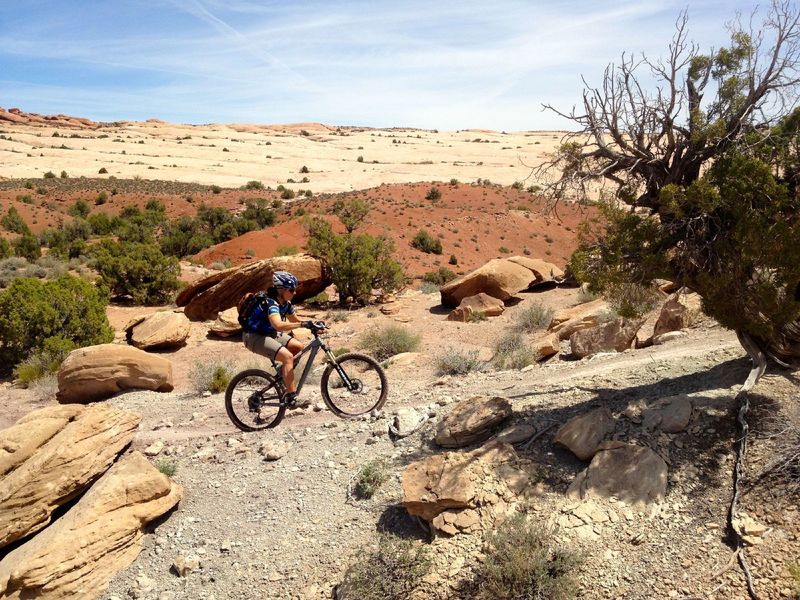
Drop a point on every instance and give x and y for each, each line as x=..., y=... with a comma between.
x=258, y=322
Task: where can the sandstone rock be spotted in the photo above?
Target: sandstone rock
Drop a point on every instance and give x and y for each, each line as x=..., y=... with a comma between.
x=564, y=315
x=479, y=303
x=633, y=474
x=273, y=449
x=500, y=278
x=546, y=346
x=461, y=314
x=163, y=329
x=516, y=434
x=206, y=298
x=184, y=565
x=463, y=492
x=472, y=421
x=614, y=336
x=583, y=434
x=668, y=337
x=154, y=449
x=97, y=372
x=678, y=312
x=671, y=414
x=50, y=456
x=78, y=555
x=227, y=323
x=404, y=359
x=406, y=421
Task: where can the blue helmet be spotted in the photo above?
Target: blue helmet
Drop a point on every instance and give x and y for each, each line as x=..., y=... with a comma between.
x=284, y=280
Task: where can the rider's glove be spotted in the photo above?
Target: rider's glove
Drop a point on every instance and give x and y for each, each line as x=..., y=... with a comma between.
x=308, y=325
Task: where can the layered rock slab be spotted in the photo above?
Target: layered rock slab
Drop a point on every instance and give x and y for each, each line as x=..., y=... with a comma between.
x=163, y=329
x=501, y=278
x=633, y=474
x=98, y=372
x=462, y=492
x=614, y=336
x=52, y=455
x=78, y=555
x=583, y=434
x=472, y=420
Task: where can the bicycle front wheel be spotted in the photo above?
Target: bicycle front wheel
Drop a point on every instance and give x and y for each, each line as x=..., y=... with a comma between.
x=367, y=387
x=253, y=400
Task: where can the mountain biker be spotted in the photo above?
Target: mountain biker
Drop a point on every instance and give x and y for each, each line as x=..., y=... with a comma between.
x=268, y=329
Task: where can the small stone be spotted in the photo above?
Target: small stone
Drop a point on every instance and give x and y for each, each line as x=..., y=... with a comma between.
x=154, y=449
x=184, y=565
x=273, y=449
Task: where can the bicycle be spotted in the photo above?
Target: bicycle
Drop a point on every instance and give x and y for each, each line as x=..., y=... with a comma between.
x=352, y=385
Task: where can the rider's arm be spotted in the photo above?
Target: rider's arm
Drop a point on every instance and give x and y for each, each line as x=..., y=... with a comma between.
x=284, y=326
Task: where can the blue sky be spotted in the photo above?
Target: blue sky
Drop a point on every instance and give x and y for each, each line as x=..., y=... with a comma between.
x=446, y=65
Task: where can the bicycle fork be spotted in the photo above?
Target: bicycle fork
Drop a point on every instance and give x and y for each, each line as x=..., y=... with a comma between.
x=332, y=360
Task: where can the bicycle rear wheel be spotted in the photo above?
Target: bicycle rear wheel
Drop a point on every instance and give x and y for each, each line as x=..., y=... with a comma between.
x=368, y=386
x=252, y=400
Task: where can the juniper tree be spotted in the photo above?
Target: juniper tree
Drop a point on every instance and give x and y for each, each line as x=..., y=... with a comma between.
x=695, y=159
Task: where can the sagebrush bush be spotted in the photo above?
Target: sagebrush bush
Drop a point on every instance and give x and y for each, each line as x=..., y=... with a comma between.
x=211, y=376
x=33, y=312
x=425, y=242
x=439, y=277
x=433, y=194
x=12, y=221
x=45, y=361
x=393, y=572
x=524, y=561
x=390, y=340
x=511, y=351
x=456, y=362
x=166, y=466
x=369, y=478
x=631, y=300
x=533, y=317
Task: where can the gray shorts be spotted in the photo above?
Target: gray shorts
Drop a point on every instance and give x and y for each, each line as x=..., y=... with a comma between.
x=265, y=345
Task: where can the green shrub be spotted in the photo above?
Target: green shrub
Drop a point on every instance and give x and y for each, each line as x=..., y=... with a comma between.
x=49, y=175
x=287, y=194
x=102, y=171
x=166, y=466
x=512, y=352
x=25, y=198
x=321, y=298
x=304, y=169
x=453, y=260
x=27, y=246
x=32, y=311
x=5, y=249
x=425, y=242
x=390, y=340
x=79, y=210
x=360, y=159
x=524, y=561
x=369, y=478
x=433, y=194
x=12, y=221
x=260, y=210
x=532, y=318
x=439, y=277
x=100, y=223
x=504, y=250
x=454, y=181
x=426, y=287
x=102, y=198
x=45, y=361
x=210, y=377
x=517, y=185
x=139, y=271
x=64, y=175
x=631, y=300
x=794, y=572
x=477, y=316
x=456, y=362
x=286, y=250
x=393, y=572
x=253, y=184
x=360, y=262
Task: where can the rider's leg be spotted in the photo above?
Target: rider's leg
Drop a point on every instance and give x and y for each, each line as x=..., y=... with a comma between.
x=295, y=346
x=285, y=357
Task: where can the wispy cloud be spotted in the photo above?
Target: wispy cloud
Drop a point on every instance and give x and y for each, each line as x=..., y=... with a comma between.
x=447, y=64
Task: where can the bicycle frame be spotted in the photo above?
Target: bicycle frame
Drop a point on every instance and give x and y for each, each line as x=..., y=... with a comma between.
x=314, y=346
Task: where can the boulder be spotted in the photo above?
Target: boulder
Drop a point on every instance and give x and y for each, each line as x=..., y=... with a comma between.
x=220, y=291
x=461, y=314
x=546, y=346
x=465, y=491
x=667, y=337
x=583, y=434
x=670, y=415
x=491, y=307
x=614, y=336
x=163, y=329
x=227, y=323
x=678, y=312
x=516, y=434
x=567, y=321
x=633, y=474
x=98, y=372
x=500, y=278
x=406, y=421
x=77, y=556
x=50, y=456
x=472, y=420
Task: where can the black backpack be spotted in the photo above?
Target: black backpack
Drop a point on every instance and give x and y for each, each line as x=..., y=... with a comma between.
x=246, y=305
